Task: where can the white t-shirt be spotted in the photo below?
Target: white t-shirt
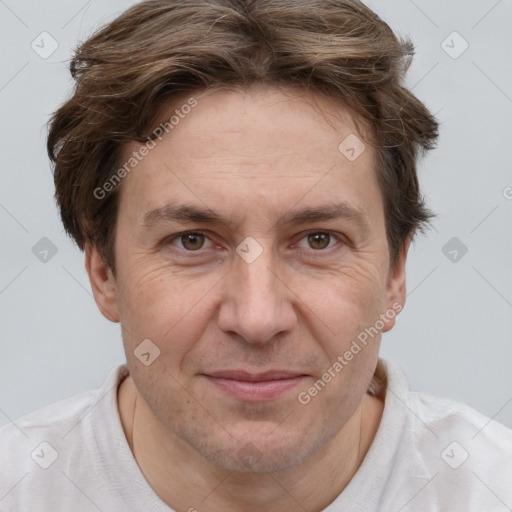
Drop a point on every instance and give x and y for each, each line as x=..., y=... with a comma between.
x=430, y=454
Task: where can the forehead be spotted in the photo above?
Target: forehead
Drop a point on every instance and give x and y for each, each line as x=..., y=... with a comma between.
x=241, y=147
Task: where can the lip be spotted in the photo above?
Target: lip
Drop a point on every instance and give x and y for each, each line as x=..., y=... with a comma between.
x=255, y=387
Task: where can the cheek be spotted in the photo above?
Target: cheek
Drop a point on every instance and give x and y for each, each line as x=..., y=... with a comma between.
x=166, y=307
x=336, y=394
x=356, y=291
x=341, y=306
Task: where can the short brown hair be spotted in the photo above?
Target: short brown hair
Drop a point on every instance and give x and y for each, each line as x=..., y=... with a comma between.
x=159, y=49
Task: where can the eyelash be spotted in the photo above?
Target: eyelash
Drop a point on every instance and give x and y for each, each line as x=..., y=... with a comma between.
x=337, y=237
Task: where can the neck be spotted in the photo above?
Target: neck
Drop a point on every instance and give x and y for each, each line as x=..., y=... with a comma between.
x=184, y=480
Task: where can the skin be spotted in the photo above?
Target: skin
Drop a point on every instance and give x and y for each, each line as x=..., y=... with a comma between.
x=252, y=156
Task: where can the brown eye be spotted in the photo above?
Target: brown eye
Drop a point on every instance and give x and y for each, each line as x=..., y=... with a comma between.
x=319, y=240
x=192, y=241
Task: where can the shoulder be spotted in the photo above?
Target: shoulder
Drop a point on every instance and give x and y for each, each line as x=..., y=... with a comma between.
x=51, y=422
x=445, y=418
x=467, y=454
x=38, y=447
x=463, y=457
x=60, y=417
x=437, y=416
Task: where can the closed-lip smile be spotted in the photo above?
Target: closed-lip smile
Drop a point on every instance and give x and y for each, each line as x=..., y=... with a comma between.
x=255, y=387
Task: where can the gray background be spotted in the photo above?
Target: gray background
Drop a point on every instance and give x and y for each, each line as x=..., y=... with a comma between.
x=453, y=338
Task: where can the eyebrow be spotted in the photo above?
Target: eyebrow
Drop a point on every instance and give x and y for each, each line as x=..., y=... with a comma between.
x=191, y=214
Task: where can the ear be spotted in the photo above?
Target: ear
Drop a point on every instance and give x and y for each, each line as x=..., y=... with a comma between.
x=102, y=283
x=396, y=289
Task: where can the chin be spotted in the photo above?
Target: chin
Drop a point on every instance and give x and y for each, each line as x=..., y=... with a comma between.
x=262, y=454
x=250, y=460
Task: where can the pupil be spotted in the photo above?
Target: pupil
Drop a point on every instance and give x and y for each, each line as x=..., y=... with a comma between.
x=319, y=240
x=192, y=239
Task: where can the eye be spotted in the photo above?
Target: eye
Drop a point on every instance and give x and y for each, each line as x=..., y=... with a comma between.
x=319, y=240
x=190, y=240
x=194, y=241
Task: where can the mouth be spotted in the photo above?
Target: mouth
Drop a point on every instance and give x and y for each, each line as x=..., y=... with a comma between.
x=254, y=387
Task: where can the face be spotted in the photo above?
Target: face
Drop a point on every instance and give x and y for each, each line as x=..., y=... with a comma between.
x=252, y=301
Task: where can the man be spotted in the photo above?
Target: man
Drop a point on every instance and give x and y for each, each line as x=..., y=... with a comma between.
x=242, y=178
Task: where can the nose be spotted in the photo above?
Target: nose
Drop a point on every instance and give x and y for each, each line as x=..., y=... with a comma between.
x=258, y=303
